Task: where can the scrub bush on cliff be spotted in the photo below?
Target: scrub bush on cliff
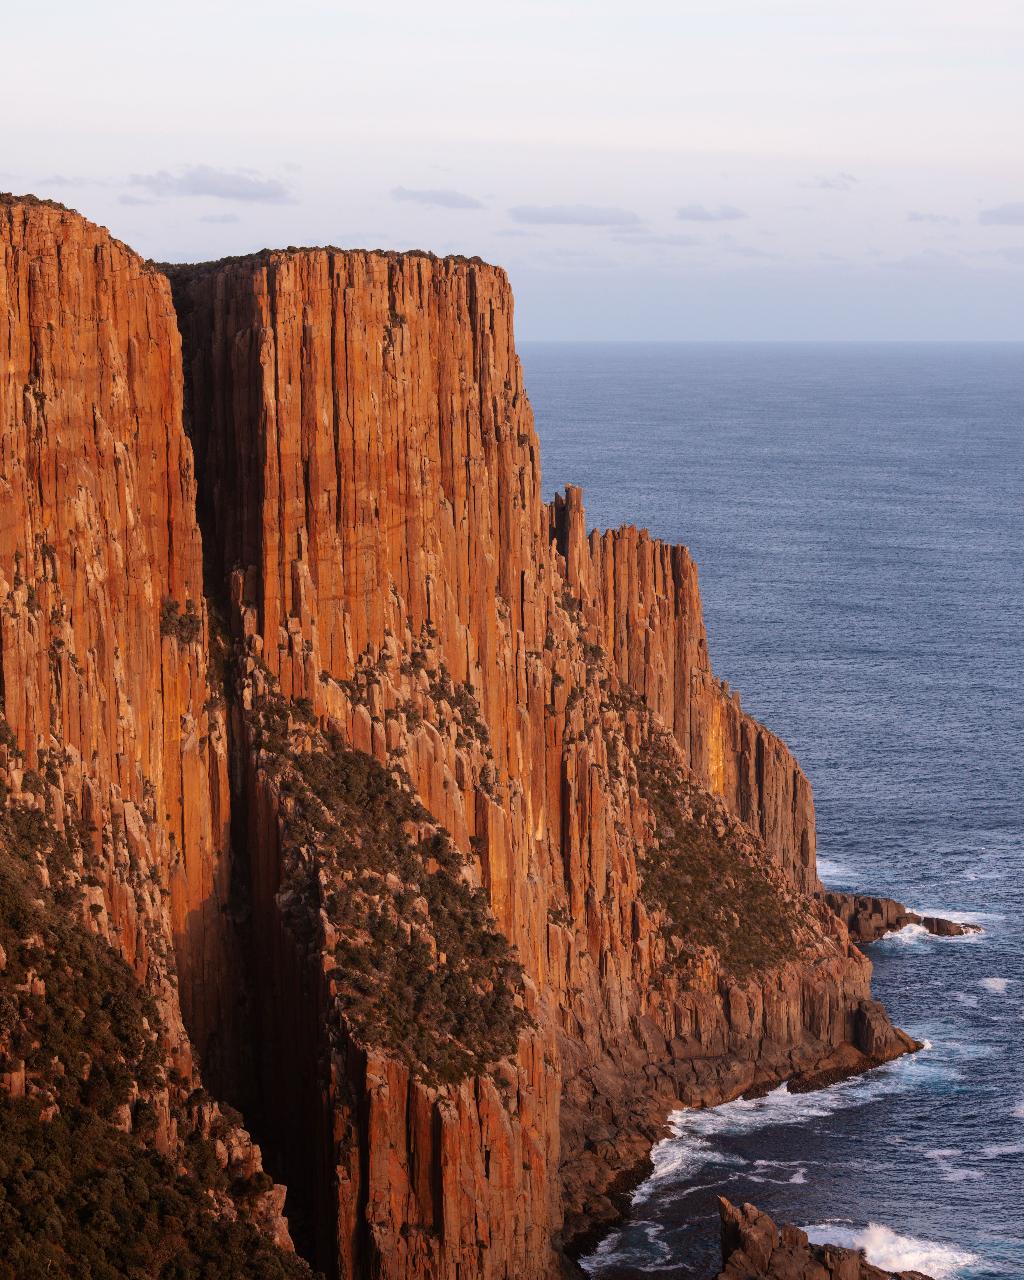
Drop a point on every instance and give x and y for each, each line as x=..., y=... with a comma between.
x=420, y=968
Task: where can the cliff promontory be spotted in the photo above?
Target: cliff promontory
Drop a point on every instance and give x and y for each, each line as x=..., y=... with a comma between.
x=400, y=822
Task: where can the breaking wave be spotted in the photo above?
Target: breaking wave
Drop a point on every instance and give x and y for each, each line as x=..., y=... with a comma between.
x=887, y=1248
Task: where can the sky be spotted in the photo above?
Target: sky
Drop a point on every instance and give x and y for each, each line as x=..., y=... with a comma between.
x=737, y=170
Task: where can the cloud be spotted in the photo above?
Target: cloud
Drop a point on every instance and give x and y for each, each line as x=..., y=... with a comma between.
x=439, y=197
x=927, y=260
x=1013, y=253
x=630, y=235
x=1003, y=215
x=221, y=184
x=220, y=217
x=749, y=251
x=71, y=180
x=937, y=218
x=573, y=215
x=833, y=182
x=134, y=200
x=700, y=213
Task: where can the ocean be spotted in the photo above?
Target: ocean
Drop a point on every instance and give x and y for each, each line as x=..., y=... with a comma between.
x=857, y=516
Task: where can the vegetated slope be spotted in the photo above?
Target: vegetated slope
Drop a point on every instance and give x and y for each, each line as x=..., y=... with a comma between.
x=91, y=1183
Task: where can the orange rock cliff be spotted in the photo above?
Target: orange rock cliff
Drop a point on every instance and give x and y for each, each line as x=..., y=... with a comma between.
x=445, y=864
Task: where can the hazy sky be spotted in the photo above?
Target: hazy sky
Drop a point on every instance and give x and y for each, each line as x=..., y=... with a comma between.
x=643, y=168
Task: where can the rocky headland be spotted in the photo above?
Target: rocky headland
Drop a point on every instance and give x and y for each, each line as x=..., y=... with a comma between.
x=382, y=860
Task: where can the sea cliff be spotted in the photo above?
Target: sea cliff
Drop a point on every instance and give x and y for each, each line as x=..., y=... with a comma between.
x=410, y=810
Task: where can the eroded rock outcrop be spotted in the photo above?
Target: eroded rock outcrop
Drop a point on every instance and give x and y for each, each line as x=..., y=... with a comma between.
x=870, y=918
x=102, y=617
x=754, y=1248
x=113, y=763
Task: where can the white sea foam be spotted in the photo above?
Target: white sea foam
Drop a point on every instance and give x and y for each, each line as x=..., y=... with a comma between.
x=910, y=935
x=994, y=1150
x=950, y=1171
x=830, y=869
x=676, y=1160
x=945, y=912
x=679, y=1158
x=781, y=1164
x=887, y=1248
x=622, y=1249
x=1018, y=1110
x=780, y=1107
x=971, y=1050
x=997, y=986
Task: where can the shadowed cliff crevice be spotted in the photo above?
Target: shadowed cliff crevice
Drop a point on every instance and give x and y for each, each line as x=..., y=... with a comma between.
x=267, y=1062
x=114, y=795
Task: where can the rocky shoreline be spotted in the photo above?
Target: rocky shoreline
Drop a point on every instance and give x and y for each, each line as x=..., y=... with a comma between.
x=617, y=1199
x=869, y=918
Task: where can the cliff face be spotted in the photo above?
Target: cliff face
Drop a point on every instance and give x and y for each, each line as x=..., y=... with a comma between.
x=642, y=602
x=446, y=850
x=102, y=619
x=113, y=765
x=371, y=473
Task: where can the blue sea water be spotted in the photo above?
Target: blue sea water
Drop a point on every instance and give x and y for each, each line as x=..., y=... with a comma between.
x=857, y=514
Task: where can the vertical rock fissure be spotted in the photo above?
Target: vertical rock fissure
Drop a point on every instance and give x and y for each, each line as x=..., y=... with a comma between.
x=266, y=1073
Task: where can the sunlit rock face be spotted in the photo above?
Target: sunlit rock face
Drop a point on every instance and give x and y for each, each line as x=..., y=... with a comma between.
x=416, y=807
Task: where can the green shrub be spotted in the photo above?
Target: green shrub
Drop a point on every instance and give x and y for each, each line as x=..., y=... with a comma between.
x=78, y=1197
x=82, y=1200
x=186, y=626
x=85, y=1039
x=714, y=884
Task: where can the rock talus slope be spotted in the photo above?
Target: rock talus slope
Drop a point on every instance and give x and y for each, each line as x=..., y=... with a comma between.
x=413, y=807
